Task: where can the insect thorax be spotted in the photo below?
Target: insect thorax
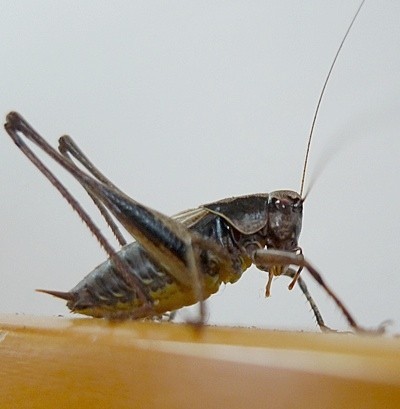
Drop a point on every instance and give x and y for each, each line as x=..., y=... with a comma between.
x=262, y=220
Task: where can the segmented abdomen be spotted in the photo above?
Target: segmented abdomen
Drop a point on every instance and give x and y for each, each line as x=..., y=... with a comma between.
x=103, y=293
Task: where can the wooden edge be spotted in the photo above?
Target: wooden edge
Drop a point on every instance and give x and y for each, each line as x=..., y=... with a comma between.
x=63, y=362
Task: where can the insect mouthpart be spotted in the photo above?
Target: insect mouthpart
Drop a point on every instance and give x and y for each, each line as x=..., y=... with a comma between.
x=274, y=271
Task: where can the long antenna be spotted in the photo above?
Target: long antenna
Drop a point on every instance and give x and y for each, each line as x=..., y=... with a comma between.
x=303, y=177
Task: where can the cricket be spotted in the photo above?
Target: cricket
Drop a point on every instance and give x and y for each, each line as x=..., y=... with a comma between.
x=181, y=260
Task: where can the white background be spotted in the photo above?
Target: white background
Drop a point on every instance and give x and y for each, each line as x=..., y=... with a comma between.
x=183, y=103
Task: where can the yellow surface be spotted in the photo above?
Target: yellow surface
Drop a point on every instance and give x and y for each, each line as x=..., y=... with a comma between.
x=89, y=363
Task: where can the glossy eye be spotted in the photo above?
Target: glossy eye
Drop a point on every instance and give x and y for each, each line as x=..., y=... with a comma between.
x=297, y=205
x=276, y=203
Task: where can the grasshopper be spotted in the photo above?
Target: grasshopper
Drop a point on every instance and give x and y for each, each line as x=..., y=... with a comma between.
x=181, y=260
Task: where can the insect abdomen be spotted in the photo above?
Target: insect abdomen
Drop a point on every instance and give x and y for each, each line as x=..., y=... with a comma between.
x=102, y=293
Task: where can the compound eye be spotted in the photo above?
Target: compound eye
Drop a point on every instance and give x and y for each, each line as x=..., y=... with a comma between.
x=276, y=203
x=297, y=205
